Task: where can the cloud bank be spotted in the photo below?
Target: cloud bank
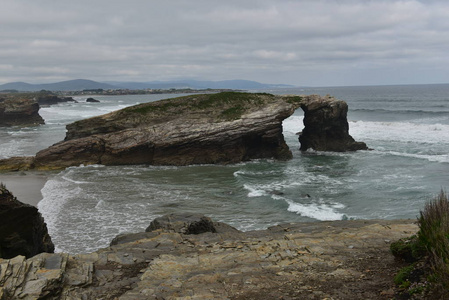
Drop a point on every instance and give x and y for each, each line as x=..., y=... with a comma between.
x=308, y=43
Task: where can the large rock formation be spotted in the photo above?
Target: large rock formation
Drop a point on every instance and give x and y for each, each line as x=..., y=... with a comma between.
x=19, y=112
x=290, y=261
x=22, y=228
x=199, y=129
x=326, y=126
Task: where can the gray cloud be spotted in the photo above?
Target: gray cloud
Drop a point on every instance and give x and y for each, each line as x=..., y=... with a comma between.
x=297, y=42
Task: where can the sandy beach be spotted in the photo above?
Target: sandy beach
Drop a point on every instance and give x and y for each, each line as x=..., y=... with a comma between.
x=25, y=186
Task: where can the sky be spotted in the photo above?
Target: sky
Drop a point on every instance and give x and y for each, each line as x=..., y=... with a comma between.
x=302, y=43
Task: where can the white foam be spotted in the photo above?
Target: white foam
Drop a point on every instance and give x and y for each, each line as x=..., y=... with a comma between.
x=254, y=192
x=320, y=212
x=400, y=131
x=442, y=158
x=292, y=125
x=55, y=195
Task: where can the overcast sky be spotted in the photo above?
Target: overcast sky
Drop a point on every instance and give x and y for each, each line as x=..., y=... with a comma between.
x=304, y=43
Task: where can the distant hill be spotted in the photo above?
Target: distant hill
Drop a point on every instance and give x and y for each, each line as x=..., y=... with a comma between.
x=70, y=85
x=83, y=84
x=197, y=84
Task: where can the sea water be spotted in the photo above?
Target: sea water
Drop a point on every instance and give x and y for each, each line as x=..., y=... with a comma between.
x=406, y=126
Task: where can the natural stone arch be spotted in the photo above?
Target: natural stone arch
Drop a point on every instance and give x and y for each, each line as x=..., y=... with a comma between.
x=218, y=128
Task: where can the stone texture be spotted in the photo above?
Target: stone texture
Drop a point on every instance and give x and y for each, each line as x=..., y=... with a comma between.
x=17, y=163
x=326, y=126
x=334, y=260
x=22, y=228
x=19, y=112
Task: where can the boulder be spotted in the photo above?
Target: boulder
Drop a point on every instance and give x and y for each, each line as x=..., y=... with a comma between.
x=326, y=126
x=22, y=228
x=92, y=100
x=188, y=223
x=19, y=112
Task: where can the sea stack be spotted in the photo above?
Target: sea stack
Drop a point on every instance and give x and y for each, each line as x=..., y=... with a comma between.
x=326, y=126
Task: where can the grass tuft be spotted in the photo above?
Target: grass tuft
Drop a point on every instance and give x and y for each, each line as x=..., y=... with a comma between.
x=430, y=247
x=433, y=235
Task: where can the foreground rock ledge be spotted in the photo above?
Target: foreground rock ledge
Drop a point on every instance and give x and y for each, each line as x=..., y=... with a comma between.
x=218, y=128
x=338, y=260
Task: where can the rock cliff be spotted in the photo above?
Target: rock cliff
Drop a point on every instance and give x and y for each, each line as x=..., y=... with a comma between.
x=218, y=128
x=19, y=112
x=290, y=261
x=22, y=228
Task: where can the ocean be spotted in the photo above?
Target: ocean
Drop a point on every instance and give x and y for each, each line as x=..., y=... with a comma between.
x=406, y=126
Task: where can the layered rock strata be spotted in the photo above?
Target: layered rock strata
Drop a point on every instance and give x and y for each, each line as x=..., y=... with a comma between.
x=199, y=129
x=326, y=126
x=19, y=112
x=22, y=228
x=290, y=261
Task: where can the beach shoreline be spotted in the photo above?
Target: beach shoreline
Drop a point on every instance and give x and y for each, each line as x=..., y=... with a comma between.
x=25, y=186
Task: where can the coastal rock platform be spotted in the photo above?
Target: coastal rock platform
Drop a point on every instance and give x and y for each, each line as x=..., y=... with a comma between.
x=318, y=260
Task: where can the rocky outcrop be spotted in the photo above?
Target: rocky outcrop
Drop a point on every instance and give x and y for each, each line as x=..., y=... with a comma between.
x=326, y=126
x=22, y=228
x=199, y=129
x=50, y=99
x=19, y=112
x=218, y=128
x=290, y=261
x=92, y=100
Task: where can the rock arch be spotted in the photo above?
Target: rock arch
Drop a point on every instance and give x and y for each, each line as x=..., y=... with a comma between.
x=219, y=128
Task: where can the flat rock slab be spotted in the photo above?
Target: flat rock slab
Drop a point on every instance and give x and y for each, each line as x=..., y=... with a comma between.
x=319, y=260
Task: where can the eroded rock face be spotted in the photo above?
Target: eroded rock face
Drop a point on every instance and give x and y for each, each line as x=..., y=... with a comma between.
x=19, y=112
x=22, y=228
x=326, y=126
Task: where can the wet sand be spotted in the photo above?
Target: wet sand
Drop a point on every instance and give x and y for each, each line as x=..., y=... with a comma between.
x=26, y=187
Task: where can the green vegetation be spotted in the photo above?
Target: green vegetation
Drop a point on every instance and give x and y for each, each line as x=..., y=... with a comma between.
x=223, y=106
x=402, y=279
x=429, y=249
x=295, y=99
